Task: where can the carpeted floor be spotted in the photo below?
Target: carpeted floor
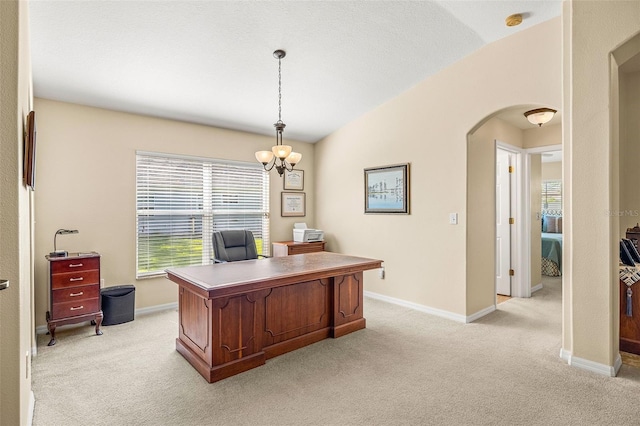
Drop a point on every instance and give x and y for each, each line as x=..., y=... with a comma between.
x=407, y=367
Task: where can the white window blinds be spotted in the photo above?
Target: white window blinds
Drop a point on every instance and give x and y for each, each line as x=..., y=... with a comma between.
x=180, y=201
x=552, y=197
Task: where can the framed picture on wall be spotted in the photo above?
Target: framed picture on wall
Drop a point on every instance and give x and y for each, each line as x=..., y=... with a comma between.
x=29, y=166
x=294, y=180
x=293, y=204
x=386, y=189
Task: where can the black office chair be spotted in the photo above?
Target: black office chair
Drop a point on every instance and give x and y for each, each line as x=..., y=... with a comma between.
x=234, y=245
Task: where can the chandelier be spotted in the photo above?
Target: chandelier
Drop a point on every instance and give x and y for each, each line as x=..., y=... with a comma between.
x=281, y=157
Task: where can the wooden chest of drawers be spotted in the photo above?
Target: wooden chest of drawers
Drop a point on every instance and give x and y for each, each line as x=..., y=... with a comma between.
x=74, y=291
x=288, y=248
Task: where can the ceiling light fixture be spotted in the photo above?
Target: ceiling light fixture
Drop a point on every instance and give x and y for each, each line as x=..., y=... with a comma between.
x=540, y=116
x=281, y=157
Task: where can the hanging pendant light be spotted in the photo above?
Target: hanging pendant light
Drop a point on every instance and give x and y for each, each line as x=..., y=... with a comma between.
x=281, y=156
x=540, y=116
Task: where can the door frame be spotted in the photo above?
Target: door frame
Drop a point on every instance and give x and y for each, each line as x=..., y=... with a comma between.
x=520, y=239
x=528, y=152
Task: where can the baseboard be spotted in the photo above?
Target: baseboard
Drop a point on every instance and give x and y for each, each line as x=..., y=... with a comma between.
x=32, y=407
x=480, y=313
x=536, y=288
x=594, y=367
x=433, y=311
x=157, y=308
x=42, y=329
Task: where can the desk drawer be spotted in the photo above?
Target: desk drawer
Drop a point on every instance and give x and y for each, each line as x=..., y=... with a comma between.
x=73, y=308
x=306, y=248
x=75, y=279
x=73, y=294
x=75, y=264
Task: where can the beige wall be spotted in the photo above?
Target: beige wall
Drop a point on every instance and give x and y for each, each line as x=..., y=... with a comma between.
x=536, y=168
x=481, y=210
x=16, y=330
x=542, y=136
x=86, y=181
x=427, y=259
x=590, y=152
x=629, y=212
x=552, y=171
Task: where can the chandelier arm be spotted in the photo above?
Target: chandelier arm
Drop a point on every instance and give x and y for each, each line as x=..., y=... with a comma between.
x=268, y=167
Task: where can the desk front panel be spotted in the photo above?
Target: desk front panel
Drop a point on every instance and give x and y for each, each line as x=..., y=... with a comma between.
x=227, y=332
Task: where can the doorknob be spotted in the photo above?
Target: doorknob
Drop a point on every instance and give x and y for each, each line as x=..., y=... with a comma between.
x=4, y=284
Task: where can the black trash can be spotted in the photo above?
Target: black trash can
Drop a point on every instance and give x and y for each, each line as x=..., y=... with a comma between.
x=118, y=304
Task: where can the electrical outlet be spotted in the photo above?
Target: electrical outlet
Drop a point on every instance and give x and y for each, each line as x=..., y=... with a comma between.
x=101, y=282
x=453, y=218
x=381, y=273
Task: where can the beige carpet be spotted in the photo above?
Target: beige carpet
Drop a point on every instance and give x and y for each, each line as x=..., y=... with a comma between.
x=407, y=367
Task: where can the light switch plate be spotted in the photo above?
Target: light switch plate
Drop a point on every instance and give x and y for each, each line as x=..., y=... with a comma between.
x=453, y=218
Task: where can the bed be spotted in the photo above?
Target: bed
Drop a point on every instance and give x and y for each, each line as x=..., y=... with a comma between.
x=552, y=242
x=551, y=254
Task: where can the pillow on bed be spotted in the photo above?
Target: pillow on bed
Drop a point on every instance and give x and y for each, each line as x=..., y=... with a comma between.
x=554, y=224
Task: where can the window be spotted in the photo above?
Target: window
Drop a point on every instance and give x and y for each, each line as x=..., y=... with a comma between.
x=180, y=201
x=552, y=197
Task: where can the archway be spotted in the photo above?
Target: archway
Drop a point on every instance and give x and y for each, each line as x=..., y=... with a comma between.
x=508, y=126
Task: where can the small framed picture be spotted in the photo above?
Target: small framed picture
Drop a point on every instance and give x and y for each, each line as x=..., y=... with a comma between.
x=293, y=204
x=294, y=180
x=386, y=189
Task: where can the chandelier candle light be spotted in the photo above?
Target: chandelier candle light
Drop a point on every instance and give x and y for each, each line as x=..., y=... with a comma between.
x=281, y=157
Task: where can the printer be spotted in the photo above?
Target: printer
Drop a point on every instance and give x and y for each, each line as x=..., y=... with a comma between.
x=302, y=234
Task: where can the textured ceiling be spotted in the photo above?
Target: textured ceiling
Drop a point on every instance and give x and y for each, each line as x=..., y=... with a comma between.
x=211, y=62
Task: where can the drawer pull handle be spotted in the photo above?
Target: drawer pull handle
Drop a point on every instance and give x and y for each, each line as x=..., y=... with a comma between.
x=76, y=308
x=76, y=294
x=76, y=279
x=75, y=265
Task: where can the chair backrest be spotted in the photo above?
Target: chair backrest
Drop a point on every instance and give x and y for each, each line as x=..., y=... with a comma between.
x=233, y=245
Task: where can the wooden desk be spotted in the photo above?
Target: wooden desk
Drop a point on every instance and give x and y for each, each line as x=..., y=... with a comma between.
x=234, y=316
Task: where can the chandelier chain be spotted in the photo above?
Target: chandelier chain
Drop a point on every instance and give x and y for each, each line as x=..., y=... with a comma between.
x=279, y=90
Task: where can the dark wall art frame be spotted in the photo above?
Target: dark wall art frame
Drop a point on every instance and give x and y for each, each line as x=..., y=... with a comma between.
x=386, y=189
x=29, y=166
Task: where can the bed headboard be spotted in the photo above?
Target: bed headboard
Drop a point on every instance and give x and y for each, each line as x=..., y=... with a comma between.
x=552, y=221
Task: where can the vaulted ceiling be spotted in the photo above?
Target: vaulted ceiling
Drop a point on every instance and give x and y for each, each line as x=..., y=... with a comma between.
x=211, y=62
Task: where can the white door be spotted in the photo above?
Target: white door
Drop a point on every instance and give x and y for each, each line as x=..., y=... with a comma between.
x=503, y=231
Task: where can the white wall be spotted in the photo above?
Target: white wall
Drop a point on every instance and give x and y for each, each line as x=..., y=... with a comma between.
x=426, y=258
x=86, y=181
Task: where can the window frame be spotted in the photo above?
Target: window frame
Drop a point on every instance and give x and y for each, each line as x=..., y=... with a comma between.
x=218, y=177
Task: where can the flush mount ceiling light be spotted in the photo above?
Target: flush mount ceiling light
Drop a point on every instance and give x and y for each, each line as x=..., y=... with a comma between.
x=281, y=157
x=540, y=116
x=513, y=20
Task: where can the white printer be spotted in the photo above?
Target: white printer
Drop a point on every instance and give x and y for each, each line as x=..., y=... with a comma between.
x=302, y=234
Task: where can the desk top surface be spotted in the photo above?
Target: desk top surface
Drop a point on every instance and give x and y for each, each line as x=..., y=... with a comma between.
x=263, y=273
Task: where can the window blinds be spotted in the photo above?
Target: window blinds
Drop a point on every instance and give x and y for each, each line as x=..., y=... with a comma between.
x=180, y=201
x=552, y=197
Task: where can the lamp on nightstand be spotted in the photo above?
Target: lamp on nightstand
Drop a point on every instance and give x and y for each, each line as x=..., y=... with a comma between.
x=61, y=253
